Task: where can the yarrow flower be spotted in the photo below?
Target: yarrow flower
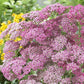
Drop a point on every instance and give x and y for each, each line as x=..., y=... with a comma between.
x=46, y=48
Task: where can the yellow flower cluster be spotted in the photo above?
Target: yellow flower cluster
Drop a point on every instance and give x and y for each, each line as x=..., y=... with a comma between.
x=1, y=41
x=21, y=47
x=2, y=56
x=18, y=17
x=7, y=37
x=0, y=51
x=9, y=22
x=3, y=27
x=18, y=39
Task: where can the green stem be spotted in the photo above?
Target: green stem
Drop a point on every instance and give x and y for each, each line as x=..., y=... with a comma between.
x=79, y=29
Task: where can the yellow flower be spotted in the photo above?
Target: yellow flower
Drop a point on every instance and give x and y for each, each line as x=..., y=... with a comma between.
x=0, y=51
x=1, y=41
x=18, y=39
x=21, y=14
x=3, y=23
x=9, y=22
x=16, y=20
x=16, y=17
x=0, y=32
x=21, y=47
x=2, y=56
x=3, y=27
x=7, y=37
x=13, y=14
x=19, y=17
x=23, y=19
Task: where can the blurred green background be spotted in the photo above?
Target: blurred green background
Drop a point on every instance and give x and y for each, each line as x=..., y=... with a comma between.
x=7, y=7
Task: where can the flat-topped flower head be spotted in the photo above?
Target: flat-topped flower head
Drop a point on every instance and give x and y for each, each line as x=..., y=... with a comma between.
x=48, y=47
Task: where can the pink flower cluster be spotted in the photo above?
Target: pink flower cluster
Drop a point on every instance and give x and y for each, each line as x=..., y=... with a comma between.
x=52, y=47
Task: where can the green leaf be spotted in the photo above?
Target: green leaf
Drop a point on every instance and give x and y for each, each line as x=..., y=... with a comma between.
x=68, y=74
x=7, y=3
x=63, y=33
x=29, y=60
x=7, y=82
x=81, y=65
x=25, y=77
x=19, y=2
x=33, y=72
x=15, y=81
x=82, y=70
x=12, y=2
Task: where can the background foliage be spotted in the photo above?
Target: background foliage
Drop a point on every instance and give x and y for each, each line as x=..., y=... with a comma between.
x=8, y=7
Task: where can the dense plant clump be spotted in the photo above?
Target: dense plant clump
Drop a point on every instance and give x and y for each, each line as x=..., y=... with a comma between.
x=46, y=48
